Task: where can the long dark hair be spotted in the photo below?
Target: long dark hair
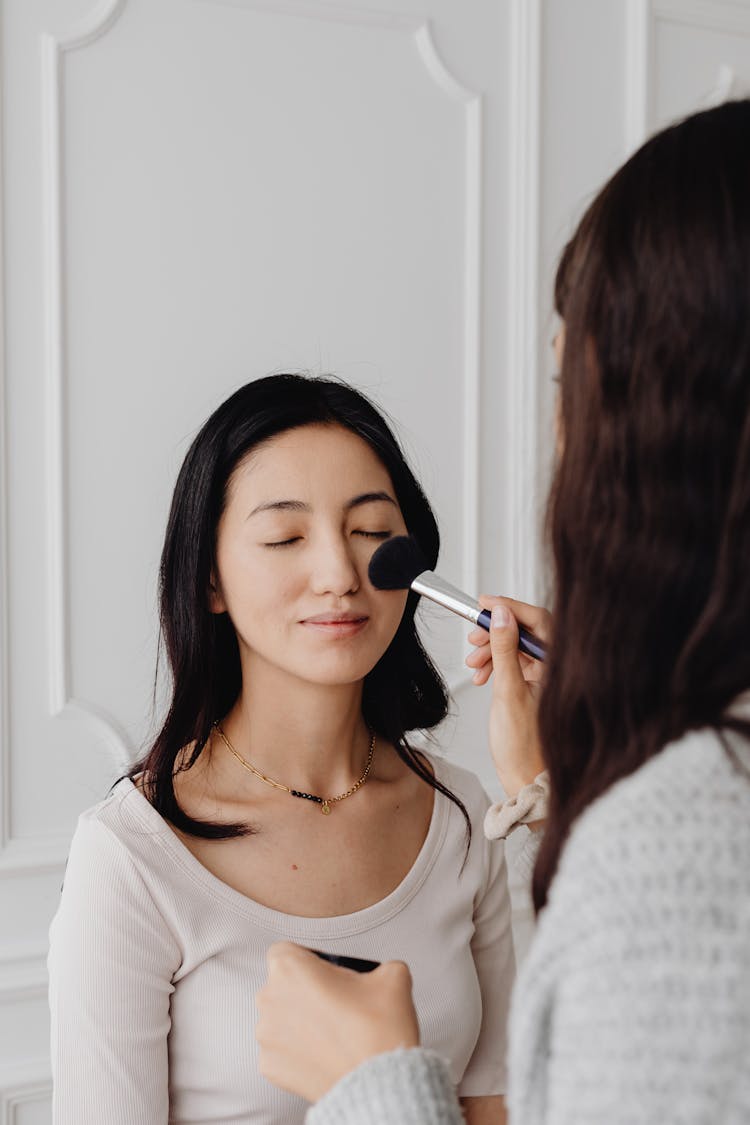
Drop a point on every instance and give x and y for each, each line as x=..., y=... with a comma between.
x=403, y=692
x=649, y=515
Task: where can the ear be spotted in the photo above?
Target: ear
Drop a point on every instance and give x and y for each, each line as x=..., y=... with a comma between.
x=216, y=603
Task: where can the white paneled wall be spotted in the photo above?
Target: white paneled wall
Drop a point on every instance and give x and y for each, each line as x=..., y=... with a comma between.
x=198, y=192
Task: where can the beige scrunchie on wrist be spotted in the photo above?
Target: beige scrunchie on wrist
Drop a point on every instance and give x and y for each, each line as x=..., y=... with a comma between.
x=529, y=804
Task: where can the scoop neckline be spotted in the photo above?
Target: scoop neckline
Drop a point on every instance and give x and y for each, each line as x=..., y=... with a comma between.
x=295, y=925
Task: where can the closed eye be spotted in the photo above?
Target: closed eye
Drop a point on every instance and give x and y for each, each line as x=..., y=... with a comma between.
x=298, y=538
x=284, y=542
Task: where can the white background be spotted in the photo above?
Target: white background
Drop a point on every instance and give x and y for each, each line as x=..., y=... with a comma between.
x=199, y=192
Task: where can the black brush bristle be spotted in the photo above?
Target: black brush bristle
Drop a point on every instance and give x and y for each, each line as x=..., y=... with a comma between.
x=396, y=564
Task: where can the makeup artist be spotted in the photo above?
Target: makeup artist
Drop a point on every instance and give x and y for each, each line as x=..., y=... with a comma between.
x=633, y=1004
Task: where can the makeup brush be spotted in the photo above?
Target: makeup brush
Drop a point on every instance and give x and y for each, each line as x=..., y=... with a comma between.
x=400, y=565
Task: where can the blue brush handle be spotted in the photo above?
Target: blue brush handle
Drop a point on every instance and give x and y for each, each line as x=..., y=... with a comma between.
x=527, y=642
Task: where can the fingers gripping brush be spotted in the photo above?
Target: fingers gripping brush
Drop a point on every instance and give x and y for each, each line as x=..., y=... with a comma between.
x=400, y=565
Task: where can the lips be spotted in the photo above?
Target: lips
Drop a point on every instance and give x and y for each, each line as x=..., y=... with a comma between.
x=335, y=619
x=336, y=624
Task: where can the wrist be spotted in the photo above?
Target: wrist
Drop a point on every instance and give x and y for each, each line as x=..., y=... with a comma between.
x=513, y=781
x=528, y=806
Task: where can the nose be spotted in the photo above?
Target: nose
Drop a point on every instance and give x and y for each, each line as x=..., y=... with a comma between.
x=334, y=569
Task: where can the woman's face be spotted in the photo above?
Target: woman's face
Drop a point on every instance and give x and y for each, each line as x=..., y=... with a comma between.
x=304, y=514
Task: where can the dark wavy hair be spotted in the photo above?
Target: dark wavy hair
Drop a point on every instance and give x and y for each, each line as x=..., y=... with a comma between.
x=403, y=692
x=649, y=513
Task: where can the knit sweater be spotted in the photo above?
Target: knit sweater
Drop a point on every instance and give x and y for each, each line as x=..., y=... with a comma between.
x=633, y=1005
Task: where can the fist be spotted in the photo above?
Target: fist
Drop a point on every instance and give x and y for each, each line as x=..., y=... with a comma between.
x=318, y=1021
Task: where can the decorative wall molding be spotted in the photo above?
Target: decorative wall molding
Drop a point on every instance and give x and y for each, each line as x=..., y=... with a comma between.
x=714, y=15
x=523, y=287
x=61, y=704
x=729, y=16
x=330, y=13
x=473, y=177
x=94, y=25
x=21, y=1084
x=61, y=701
x=36, y=856
x=23, y=977
x=5, y=792
x=52, y=202
x=638, y=64
x=728, y=85
x=49, y=854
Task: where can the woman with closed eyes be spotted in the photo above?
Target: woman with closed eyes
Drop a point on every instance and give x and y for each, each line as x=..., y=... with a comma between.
x=281, y=799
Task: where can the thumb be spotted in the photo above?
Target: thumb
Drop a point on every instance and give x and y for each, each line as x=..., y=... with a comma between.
x=504, y=649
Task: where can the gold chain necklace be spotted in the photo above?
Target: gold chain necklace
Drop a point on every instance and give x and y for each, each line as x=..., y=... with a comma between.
x=324, y=802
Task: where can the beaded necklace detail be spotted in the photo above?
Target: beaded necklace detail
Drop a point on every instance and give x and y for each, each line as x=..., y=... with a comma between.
x=324, y=802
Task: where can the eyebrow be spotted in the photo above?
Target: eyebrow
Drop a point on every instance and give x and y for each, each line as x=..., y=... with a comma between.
x=301, y=506
x=369, y=498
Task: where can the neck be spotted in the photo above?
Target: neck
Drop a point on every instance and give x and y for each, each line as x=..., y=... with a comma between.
x=307, y=736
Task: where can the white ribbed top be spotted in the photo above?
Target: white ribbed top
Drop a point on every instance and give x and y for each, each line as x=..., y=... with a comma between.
x=154, y=965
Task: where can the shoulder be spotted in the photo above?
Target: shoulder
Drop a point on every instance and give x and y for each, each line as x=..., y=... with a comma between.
x=645, y=927
x=118, y=832
x=677, y=790
x=485, y=860
x=680, y=821
x=112, y=913
x=123, y=811
x=462, y=783
x=656, y=872
x=119, y=867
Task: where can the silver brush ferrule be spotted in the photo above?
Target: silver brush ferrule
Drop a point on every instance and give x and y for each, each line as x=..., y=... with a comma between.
x=438, y=590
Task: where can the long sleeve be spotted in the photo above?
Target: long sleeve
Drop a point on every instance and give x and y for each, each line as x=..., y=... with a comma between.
x=525, y=855
x=634, y=1002
x=404, y=1087
x=492, y=950
x=111, y=962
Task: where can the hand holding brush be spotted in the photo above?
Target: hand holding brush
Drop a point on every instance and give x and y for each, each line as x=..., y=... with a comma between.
x=513, y=651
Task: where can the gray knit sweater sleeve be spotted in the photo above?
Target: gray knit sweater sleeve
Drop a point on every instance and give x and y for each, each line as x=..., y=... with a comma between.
x=633, y=1005
x=405, y=1087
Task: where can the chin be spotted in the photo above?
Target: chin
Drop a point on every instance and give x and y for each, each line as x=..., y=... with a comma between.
x=340, y=671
